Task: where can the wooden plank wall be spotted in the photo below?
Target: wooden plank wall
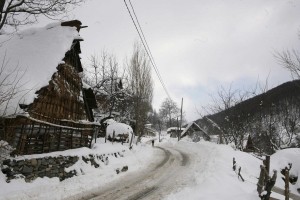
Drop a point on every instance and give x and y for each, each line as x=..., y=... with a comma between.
x=33, y=137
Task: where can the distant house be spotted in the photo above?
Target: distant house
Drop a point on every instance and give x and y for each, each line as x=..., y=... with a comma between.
x=195, y=132
x=149, y=131
x=175, y=131
x=52, y=109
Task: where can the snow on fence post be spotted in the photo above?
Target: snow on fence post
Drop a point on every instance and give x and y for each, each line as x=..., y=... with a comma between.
x=270, y=184
x=286, y=173
x=261, y=179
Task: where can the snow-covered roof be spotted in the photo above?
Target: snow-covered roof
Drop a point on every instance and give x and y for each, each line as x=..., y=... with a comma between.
x=32, y=56
x=174, y=129
x=119, y=129
x=193, y=123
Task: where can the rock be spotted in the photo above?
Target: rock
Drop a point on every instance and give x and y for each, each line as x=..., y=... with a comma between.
x=6, y=171
x=124, y=169
x=13, y=163
x=118, y=171
x=75, y=159
x=44, y=161
x=34, y=162
x=20, y=162
x=27, y=170
x=6, y=162
x=41, y=174
x=39, y=162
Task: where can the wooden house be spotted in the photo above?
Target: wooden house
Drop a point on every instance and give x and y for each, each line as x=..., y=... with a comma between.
x=52, y=110
x=149, y=131
x=195, y=132
x=175, y=131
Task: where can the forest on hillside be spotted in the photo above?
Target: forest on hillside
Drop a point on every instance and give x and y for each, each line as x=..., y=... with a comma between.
x=271, y=119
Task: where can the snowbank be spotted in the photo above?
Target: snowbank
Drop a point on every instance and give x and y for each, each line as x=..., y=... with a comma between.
x=90, y=177
x=214, y=177
x=280, y=160
x=119, y=129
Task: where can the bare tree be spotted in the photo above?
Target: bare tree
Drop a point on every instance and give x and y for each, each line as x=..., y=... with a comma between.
x=107, y=82
x=169, y=111
x=10, y=84
x=290, y=60
x=141, y=87
x=232, y=127
x=20, y=12
x=225, y=98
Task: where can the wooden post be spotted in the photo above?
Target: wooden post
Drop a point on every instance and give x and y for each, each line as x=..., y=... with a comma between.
x=95, y=133
x=268, y=164
x=113, y=139
x=261, y=180
x=105, y=135
x=234, y=164
x=131, y=139
x=270, y=184
x=286, y=187
x=240, y=175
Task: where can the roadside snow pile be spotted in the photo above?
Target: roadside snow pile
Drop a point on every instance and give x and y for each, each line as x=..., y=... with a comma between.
x=214, y=176
x=89, y=177
x=281, y=159
x=117, y=129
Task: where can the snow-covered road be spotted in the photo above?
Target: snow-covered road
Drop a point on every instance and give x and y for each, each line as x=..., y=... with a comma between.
x=171, y=171
x=167, y=174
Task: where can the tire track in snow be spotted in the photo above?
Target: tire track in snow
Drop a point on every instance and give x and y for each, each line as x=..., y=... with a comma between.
x=154, y=182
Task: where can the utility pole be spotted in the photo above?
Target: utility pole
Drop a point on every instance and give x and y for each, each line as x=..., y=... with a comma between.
x=159, y=131
x=181, y=115
x=178, y=131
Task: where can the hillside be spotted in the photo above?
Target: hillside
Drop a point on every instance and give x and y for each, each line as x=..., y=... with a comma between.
x=266, y=116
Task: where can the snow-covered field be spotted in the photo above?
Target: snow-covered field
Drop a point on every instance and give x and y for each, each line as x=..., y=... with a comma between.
x=213, y=177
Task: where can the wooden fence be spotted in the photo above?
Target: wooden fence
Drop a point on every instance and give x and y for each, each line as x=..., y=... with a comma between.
x=31, y=136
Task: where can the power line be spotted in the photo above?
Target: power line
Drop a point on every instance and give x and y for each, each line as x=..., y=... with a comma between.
x=155, y=66
x=145, y=44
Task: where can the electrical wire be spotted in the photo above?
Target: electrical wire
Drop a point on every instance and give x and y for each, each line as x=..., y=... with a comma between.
x=155, y=66
x=146, y=46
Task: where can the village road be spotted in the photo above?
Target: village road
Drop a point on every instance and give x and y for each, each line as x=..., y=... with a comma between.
x=170, y=173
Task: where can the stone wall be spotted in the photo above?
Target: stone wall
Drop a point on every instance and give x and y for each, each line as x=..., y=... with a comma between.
x=30, y=169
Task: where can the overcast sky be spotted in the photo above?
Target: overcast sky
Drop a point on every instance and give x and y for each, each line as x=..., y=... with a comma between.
x=197, y=45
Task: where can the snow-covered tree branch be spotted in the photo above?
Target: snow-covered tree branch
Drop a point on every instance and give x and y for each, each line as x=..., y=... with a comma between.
x=20, y=12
